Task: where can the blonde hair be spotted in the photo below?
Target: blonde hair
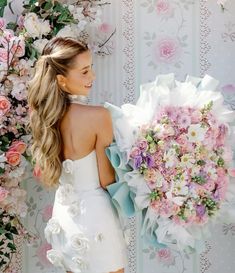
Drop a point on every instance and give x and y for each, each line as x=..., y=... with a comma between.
x=48, y=103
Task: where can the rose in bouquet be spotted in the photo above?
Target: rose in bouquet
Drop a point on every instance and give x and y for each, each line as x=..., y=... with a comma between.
x=175, y=145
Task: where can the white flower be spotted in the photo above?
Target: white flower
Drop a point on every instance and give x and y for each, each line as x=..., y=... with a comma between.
x=68, y=166
x=180, y=188
x=170, y=158
x=187, y=160
x=36, y=27
x=81, y=25
x=80, y=242
x=40, y=44
x=67, y=31
x=55, y=257
x=2, y=158
x=53, y=227
x=82, y=265
x=75, y=209
x=64, y=194
x=196, y=133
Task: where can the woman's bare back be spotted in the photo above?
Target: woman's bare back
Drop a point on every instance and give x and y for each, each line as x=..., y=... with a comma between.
x=83, y=129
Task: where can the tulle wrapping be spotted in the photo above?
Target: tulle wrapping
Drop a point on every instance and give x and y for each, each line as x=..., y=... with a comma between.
x=130, y=192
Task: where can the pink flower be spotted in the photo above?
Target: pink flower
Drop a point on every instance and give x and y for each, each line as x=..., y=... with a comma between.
x=2, y=23
x=3, y=55
x=163, y=7
x=196, y=116
x=229, y=88
x=20, y=21
x=135, y=152
x=5, y=105
x=143, y=145
x=3, y=194
x=105, y=28
x=165, y=256
x=231, y=172
x=18, y=48
x=47, y=212
x=150, y=175
x=167, y=50
x=42, y=254
x=18, y=146
x=13, y=158
x=184, y=121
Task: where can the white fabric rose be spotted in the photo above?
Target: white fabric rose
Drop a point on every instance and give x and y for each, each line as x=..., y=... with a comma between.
x=55, y=257
x=82, y=265
x=75, y=209
x=35, y=26
x=64, y=194
x=80, y=243
x=68, y=166
x=53, y=227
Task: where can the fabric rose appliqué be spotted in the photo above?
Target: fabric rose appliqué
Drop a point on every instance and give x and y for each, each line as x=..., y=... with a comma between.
x=82, y=265
x=55, y=257
x=53, y=227
x=76, y=209
x=64, y=194
x=80, y=243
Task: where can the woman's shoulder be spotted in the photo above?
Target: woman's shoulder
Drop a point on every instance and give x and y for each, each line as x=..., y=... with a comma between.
x=97, y=112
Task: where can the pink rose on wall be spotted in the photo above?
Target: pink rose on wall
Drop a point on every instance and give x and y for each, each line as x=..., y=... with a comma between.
x=13, y=158
x=164, y=8
x=167, y=50
x=5, y=105
x=105, y=28
x=47, y=213
x=18, y=146
x=3, y=194
x=165, y=257
x=41, y=254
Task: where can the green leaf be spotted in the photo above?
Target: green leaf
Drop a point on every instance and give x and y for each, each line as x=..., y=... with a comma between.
x=11, y=246
x=8, y=226
x=14, y=230
x=3, y=4
x=9, y=236
x=11, y=25
x=2, y=171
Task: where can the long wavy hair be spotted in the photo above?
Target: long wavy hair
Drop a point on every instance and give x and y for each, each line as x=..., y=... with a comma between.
x=48, y=103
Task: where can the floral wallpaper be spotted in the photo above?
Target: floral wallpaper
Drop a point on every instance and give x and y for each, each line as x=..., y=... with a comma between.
x=154, y=36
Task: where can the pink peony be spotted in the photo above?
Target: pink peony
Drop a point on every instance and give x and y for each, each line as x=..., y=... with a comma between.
x=13, y=158
x=165, y=256
x=135, y=152
x=5, y=105
x=167, y=50
x=18, y=146
x=163, y=7
x=184, y=121
x=3, y=194
x=105, y=28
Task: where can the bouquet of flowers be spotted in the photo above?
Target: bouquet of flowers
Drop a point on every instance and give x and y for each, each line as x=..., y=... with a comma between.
x=178, y=156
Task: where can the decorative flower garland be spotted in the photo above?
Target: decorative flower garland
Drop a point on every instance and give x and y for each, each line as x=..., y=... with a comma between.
x=21, y=43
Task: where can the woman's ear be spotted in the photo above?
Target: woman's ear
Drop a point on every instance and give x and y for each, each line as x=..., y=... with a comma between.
x=61, y=80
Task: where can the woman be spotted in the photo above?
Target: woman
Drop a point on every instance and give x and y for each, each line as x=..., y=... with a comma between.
x=69, y=141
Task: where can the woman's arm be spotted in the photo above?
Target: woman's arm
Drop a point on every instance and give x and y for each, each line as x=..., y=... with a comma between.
x=104, y=139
